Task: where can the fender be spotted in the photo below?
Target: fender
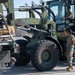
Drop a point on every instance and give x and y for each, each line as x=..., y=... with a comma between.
x=19, y=38
x=57, y=43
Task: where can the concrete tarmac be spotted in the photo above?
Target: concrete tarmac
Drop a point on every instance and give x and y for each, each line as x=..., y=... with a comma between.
x=60, y=69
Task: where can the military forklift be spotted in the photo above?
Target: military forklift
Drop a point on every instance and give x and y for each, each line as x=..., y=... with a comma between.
x=47, y=45
x=43, y=48
x=48, y=42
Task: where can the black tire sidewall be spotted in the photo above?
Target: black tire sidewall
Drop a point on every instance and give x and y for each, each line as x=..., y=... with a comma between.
x=37, y=61
x=21, y=58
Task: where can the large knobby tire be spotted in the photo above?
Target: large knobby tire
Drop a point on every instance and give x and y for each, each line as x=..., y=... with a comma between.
x=45, y=55
x=21, y=58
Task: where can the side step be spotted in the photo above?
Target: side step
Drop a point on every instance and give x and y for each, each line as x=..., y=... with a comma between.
x=4, y=58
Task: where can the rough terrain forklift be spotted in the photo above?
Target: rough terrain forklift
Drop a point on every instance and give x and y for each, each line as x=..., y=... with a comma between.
x=43, y=49
x=48, y=43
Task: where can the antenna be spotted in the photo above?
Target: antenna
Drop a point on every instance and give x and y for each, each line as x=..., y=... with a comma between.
x=32, y=3
x=41, y=1
x=26, y=4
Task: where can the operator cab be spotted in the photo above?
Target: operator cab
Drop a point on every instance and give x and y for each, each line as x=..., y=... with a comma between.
x=60, y=8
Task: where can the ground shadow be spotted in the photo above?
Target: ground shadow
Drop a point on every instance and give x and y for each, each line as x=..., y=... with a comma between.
x=29, y=69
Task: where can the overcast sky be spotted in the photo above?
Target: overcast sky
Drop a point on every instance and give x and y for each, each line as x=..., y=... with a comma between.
x=18, y=3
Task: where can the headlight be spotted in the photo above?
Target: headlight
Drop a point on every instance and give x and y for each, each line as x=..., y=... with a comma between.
x=16, y=48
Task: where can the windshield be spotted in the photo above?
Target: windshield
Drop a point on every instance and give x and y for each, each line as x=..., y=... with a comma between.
x=59, y=11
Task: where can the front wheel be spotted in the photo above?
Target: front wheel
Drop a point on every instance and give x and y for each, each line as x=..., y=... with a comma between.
x=45, y=55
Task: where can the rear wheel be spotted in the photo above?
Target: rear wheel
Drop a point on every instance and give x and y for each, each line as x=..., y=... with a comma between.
x=45, y=55
x=22, y=44
x=21, y=58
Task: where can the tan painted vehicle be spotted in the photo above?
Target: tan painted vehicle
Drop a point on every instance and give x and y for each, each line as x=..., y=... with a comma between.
x=8, y=41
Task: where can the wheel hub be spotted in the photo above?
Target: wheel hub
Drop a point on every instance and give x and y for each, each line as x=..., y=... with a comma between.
x=45, y=56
